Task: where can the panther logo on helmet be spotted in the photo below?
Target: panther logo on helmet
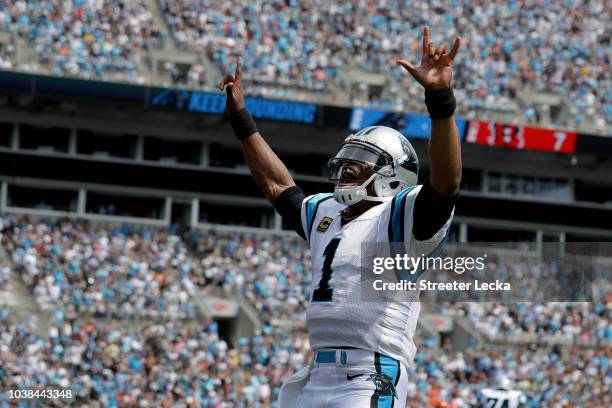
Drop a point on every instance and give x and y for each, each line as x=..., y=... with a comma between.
x=387, y=153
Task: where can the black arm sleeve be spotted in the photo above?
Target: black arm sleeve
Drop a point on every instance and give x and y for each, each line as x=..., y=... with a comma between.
x=431, y=211
x=289, y=206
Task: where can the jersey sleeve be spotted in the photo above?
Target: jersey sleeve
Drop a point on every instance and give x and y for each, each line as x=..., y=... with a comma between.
x=401, y=224
x=310, y=206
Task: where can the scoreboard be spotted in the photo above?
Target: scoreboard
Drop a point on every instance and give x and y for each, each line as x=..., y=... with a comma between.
x=520, y=137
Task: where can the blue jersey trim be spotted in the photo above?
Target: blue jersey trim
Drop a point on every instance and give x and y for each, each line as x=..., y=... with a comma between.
x=311, y=210
x=396, y=219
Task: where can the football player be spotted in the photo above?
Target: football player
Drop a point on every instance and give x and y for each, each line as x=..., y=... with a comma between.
x=362, y=350
x=501, y=397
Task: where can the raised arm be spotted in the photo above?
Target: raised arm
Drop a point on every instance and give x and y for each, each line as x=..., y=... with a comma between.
x=269, y=172
x=436, y=200
x=435, y=74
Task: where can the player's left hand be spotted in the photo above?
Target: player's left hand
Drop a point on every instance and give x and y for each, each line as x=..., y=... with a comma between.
x=435, y=71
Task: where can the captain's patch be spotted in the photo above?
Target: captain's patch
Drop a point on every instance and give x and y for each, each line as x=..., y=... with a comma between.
x=324, y=224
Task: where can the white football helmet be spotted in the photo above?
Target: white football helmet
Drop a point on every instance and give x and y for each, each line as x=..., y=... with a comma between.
x=386, y=152
x=504, y=383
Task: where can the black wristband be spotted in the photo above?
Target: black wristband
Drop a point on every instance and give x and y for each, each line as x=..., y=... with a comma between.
x=441, y=104
x=242, y=123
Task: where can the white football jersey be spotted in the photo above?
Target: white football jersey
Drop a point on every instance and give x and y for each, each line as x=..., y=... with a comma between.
x=336, y=316
x=499, y=398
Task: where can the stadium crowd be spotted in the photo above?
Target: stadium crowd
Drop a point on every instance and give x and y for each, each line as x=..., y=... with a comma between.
x=5, y=271
x=175, y=364
x=129, y=270
x=120, y=270
x=291, y=46
x=186, y=362
x=283, y=45
x=552, y=377
x=560, y=46
x=560, y=322
x=90, y=38
x=548, y=303
x=182, y=364
x=273, y=274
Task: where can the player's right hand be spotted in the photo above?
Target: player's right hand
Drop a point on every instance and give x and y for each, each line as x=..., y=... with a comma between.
x=232, y=84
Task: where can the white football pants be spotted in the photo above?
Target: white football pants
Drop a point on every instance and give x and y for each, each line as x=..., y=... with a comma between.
x=349, y=378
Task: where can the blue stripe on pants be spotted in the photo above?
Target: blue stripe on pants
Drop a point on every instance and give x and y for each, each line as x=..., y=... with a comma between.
x=390, y=367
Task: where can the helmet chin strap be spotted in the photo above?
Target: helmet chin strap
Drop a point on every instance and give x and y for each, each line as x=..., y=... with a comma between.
x=353, y=195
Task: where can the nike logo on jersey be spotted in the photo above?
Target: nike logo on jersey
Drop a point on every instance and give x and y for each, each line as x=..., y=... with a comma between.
x=350, y=377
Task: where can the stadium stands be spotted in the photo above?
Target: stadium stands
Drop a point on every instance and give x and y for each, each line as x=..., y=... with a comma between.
x=92, y=39
x=128, y=271
x=444, y=378
x=174, y=364
x=553, y=322
x=273, y=274
x=117, y=312
x=284, y=45
x=74, y=264
x=510, y=46
x=105, y=271
x=306, y=50
x=5, y=270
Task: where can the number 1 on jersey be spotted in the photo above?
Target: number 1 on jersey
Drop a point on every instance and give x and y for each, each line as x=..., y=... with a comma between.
x=323, y=292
